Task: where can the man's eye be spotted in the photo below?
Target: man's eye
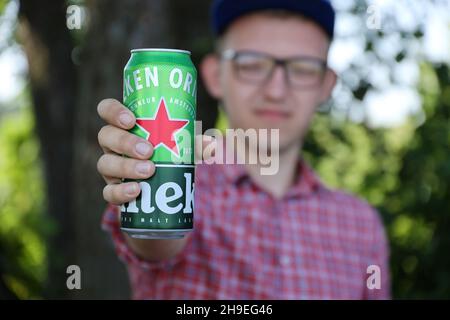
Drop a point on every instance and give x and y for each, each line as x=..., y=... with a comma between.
x=251, y=66
x=247, y=64
x=304, y=69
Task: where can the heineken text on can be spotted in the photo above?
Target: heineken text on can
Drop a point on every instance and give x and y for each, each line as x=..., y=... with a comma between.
x=159, y=87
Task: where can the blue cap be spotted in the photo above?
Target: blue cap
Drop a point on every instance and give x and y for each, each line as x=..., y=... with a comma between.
x=224, y=12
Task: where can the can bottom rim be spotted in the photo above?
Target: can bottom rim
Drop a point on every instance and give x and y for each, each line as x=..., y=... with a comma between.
x=156, y=234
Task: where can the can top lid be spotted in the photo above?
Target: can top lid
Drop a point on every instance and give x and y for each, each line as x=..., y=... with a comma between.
x=160, y=49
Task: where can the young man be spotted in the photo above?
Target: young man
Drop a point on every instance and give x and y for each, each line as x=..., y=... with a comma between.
x=282, y=236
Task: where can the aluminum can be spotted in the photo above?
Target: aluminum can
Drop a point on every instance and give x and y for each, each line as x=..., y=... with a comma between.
x=160, y=88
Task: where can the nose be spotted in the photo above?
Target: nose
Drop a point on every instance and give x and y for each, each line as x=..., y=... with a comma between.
x=276, y=87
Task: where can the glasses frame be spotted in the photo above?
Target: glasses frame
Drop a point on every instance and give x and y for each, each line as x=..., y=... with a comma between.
x=232, y=55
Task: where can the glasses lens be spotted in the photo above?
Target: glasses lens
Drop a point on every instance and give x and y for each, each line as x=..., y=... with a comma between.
x=252, y=67
x=303, y=73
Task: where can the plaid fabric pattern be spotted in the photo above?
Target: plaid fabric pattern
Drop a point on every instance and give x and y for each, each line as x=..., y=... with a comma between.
x=314, y=243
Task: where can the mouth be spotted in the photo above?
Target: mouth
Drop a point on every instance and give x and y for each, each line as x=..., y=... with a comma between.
x=272, y=115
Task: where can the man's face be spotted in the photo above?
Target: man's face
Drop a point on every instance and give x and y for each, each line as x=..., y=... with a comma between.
x=274, y=103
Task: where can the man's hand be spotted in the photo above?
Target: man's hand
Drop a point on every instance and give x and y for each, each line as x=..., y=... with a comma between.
x=115, y=140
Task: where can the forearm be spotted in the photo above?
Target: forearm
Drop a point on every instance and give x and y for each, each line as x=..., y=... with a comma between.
x=156, y=249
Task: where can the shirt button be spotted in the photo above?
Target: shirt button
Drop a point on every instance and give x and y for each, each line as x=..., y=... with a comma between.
x=285, y=260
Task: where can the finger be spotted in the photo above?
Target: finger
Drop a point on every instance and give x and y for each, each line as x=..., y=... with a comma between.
x=116, y=114
x=111, y=165
x=121, y=193
x=124, y=142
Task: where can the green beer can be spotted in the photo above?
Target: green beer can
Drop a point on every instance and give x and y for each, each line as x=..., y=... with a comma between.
x=159, y=87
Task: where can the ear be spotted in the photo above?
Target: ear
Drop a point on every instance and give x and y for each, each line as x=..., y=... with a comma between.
x=209, y=68
x=329, y=81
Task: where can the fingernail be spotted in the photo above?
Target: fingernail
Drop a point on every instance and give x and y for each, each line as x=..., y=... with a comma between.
x=143, y=167
x=130, y=189
x=125, y=119
x=143, y=148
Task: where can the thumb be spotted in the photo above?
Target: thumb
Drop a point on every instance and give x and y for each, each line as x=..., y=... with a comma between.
x=205, y=147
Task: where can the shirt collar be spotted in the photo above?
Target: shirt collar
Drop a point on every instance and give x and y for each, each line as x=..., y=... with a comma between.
x=235, y=173
x=306, y=183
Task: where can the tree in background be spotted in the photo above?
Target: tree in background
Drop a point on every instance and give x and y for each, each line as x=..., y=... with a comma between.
x=53, y=86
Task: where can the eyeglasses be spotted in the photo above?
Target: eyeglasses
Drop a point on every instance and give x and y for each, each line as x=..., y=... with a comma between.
x=257, y=68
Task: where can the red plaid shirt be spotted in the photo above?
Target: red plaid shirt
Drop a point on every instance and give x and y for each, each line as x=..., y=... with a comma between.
x=314, y=243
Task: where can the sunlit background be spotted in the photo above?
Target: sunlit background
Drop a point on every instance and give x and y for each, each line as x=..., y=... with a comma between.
x=385, y=136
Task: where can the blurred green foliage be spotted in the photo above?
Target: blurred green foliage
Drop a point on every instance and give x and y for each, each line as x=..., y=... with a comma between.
x=421, y=243
x=2, y=5
x=23, y=225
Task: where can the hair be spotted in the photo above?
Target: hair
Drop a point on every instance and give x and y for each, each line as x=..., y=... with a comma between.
x=281, y=14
